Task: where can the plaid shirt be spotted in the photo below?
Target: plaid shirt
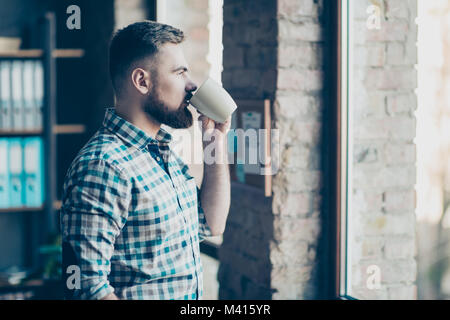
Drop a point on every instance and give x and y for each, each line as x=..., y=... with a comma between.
x=133, y=221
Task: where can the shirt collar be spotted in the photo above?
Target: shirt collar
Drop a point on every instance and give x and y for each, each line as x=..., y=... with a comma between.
x=132, y=134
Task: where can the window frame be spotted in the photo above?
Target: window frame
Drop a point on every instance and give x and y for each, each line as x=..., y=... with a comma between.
x=340, y=236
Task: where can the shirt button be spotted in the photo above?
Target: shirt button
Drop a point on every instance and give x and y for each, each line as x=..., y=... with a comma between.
x=158, y=158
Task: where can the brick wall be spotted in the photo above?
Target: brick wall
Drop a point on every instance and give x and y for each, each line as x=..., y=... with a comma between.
x=278, y=247
x=249, y=72
x=299, y=247
x=272, y=247
x=384, y=171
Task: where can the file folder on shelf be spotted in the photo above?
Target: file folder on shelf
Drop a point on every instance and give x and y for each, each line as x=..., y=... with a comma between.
x=5, y=96
x=4, y=174
x=16, y=172
x=17, y=102
x=33, y=171
x=38, y=79
x=28, y=99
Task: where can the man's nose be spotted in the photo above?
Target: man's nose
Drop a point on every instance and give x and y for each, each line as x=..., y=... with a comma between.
x=191, y=86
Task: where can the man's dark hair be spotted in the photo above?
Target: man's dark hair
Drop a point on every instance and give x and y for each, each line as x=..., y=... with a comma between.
x=135, y=42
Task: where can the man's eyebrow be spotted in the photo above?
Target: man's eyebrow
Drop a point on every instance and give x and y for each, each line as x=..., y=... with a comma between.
x=181, y=68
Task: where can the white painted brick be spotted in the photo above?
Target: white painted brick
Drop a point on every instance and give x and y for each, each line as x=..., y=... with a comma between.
x=365, y=153
x=296, y=229
x=366, y=294
x=302, y=55
x=293, y=8
x=391, y=79
x=295, y=205
x=402, y=292
x=399, y=104
x=288, y=253
x=308, y=133
x=367, y=200
x=385, y=224
x=395, y=30
x=402, y=248
x=368, y=104
x=298, y=106
x=403, y=176
x=300, y=79
x=367, y=248
x=360, y=9
x=397, y=9
x=395, y=154
x=396, y=53
x=399, y=201
x=392, y=128
x=298, y=181
x=301, y=31
x=300, y=157
x=373, y=54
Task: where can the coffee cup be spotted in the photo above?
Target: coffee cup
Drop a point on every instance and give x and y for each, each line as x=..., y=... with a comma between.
x=212, y=100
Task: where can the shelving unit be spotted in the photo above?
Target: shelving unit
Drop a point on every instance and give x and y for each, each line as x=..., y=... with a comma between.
x=56, y=206
x=41, y=220
x=57, y=129
x=37, y=53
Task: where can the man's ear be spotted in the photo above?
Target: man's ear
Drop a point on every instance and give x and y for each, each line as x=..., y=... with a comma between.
x=141, y=80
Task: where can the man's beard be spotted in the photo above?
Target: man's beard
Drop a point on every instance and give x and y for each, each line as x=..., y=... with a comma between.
x=179, y=119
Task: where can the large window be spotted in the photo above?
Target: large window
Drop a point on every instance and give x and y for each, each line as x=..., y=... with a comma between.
x=393, y=176
x=378, y=149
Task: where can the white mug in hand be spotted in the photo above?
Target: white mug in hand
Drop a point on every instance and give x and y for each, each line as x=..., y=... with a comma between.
x=213, y=101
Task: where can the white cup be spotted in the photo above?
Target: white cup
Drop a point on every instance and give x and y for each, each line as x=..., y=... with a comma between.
x=213, y=101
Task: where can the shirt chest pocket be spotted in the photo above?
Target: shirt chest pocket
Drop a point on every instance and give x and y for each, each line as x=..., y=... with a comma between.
x=157, y=216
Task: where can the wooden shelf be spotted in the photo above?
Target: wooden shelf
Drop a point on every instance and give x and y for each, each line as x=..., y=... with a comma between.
x=57, y=129
x=69, y=129
x=56, y=206
x=29, y=53
x=11, y=133
x=68, y=53
x=21, y=209
x=37, y=53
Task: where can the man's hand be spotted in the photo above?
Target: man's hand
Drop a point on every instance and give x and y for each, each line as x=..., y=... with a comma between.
x=208, y=124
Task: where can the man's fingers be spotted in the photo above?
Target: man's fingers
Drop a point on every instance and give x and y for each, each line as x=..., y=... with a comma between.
x=207, y=123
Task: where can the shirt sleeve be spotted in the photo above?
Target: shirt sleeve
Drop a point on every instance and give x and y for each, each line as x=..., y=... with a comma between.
x=95, y=209
x=203, y=228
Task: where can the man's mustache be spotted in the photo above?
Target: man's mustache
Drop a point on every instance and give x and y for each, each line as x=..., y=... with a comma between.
x=188, y=96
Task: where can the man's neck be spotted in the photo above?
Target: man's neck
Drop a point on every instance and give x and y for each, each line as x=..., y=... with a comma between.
x=138, y=118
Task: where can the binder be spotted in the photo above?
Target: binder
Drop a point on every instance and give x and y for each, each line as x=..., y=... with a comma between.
x=16, y=88
x=38, y=93
x=4, y=173
x=5, y=96
x=33, y=171
x=28, y=99
x=15, y=172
